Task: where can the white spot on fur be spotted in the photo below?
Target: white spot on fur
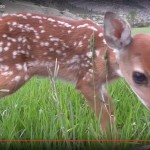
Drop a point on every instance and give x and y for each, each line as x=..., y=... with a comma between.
x=119, y=73
x=15, y=53
x=4, y=35
x=97, y=53
x=29, y=47
x=56, y=44
x=14, y=23
x=17, y=79
x=25, y=67
x=75, y=59
x=89, y=54
x=40, y=21
x=37, y=37
x=69, y=31
x=1, y=59
x=54, y=39
x=90, y=70
x=24, y=17
x=51, y=49
x=45, y=53
x=50, y=19
x=12, y=39
x=42, y=31
x=46, y=44
x=82, y=26
x=103, y=91
x=64, y=23
x=84, y=37
x=8, y=44
x=75, y=43
x=100, y=34
x=6, y=48
x=7, y=73
x=29, y=14
x=80, y=44
x=26, y=77
x=10, y=29
x=4, y=68
x=41, y=27
x=19, y=67
x=36, y=17
x=58, y=51
x=104, y=41
x=93, y=28
x=1, y=43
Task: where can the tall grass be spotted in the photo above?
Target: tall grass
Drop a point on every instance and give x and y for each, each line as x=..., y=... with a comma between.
x=41, y=110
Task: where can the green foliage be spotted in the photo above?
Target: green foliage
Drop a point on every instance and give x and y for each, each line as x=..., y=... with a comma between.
x=131, y=17
x=141, y=30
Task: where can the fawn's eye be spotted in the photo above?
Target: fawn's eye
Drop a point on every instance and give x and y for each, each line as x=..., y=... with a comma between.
x=139, y=78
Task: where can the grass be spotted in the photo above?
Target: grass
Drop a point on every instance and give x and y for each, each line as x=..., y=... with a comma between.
x=141, y=30
x=38, y=111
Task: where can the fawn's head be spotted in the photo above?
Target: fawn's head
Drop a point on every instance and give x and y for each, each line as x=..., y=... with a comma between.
x=132, y=53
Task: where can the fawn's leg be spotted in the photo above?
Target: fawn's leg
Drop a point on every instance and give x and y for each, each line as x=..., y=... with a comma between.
x=95, y=100
x=12, y=78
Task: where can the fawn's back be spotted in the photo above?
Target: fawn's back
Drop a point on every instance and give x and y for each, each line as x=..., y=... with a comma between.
x=31, y=43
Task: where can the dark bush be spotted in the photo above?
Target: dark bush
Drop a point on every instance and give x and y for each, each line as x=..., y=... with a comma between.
x=45, y=2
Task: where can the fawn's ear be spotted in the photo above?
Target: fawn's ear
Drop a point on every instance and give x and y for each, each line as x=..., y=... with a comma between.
x=117, y=31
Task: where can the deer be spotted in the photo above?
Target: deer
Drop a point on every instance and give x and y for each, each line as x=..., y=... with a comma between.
x=32, y=43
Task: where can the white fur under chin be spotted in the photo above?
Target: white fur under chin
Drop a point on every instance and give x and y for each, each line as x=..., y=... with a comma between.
x=119, y=73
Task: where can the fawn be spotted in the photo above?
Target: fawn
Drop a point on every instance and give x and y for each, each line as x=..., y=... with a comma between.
x=31, y=43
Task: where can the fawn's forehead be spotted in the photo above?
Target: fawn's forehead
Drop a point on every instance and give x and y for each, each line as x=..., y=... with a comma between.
x=139, y=52
x=141, y=43
x=139, y=47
